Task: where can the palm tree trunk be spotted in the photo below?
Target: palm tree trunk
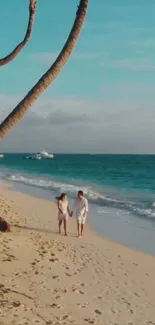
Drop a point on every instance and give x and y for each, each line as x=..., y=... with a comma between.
x=19, y=47
x=50, y=75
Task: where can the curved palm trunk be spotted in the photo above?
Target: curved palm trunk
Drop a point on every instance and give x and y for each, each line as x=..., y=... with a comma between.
x=19, y=47
x=49, y=76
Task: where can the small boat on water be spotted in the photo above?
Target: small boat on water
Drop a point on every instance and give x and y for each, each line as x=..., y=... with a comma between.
x=34, y=157
x=45, y=154
x=1, y=156
x=37, y=156
x=40, y=155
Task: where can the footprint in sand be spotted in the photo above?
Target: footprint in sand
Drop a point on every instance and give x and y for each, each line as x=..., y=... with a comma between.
x=82, y=306
x=58, y=290
x=17, y=274
x=98, y=312
x=53, y=260
x=36, y=273
x=58, y=306
x=68, y=274
x=16, y=304
x=81, y=292
x=75, y=289
x=55, y=277
x=67, y=268
x=89, y=320
x=65, y=317
x=135, y=264
x=7, y=260
x=44, y=252
x=36, y=260
x=82, y=284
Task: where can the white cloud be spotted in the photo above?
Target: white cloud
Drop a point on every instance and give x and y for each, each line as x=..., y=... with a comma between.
x=136, y=64
x=146, y=43
x=71, y=124
x=46, y=105
x=49, y=57
x=43, y=57
x=129, y=92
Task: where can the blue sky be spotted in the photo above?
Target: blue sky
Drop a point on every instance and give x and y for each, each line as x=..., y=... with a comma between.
x=111, y=74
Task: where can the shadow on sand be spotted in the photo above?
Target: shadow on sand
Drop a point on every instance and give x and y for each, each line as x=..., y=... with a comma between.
x=42, y=230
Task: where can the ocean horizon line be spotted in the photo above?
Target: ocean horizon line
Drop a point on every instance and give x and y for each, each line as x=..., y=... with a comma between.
x=81, y=153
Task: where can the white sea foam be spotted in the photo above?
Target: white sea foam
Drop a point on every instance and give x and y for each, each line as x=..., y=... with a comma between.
x=126, y=206
x=59, y=186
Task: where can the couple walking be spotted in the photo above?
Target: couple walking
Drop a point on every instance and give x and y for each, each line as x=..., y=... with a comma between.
x=81, y=210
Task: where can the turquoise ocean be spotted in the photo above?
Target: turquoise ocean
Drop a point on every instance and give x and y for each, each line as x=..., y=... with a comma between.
x=120, y=190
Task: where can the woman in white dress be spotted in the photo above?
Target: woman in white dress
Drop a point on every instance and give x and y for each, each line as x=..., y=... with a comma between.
x=63, y=212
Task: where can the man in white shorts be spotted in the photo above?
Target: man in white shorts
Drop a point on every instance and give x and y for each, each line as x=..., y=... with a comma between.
x=81, y=208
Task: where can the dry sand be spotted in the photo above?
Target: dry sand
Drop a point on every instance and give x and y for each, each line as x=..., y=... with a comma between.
x=46, y=278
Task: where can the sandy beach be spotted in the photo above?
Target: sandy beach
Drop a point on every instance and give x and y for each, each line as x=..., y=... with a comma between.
x=47, y=278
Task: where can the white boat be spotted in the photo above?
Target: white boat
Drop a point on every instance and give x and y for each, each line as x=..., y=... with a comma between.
x=41, y=155
x=45, y=154
x=1, y=156
x=37, y=156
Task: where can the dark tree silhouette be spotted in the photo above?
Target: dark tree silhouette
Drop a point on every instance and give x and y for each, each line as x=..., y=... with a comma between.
x=20, y=46
x=44, y=82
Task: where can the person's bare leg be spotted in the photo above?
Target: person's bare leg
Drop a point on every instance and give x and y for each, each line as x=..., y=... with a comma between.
x=59, y=225
x=65, y=227
x=82, y=229
x=78, y=229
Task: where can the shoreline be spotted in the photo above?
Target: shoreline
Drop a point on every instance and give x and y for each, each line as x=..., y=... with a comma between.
x=124, y=217
x=11, y=187
x=47, y=278
x=118, y=231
